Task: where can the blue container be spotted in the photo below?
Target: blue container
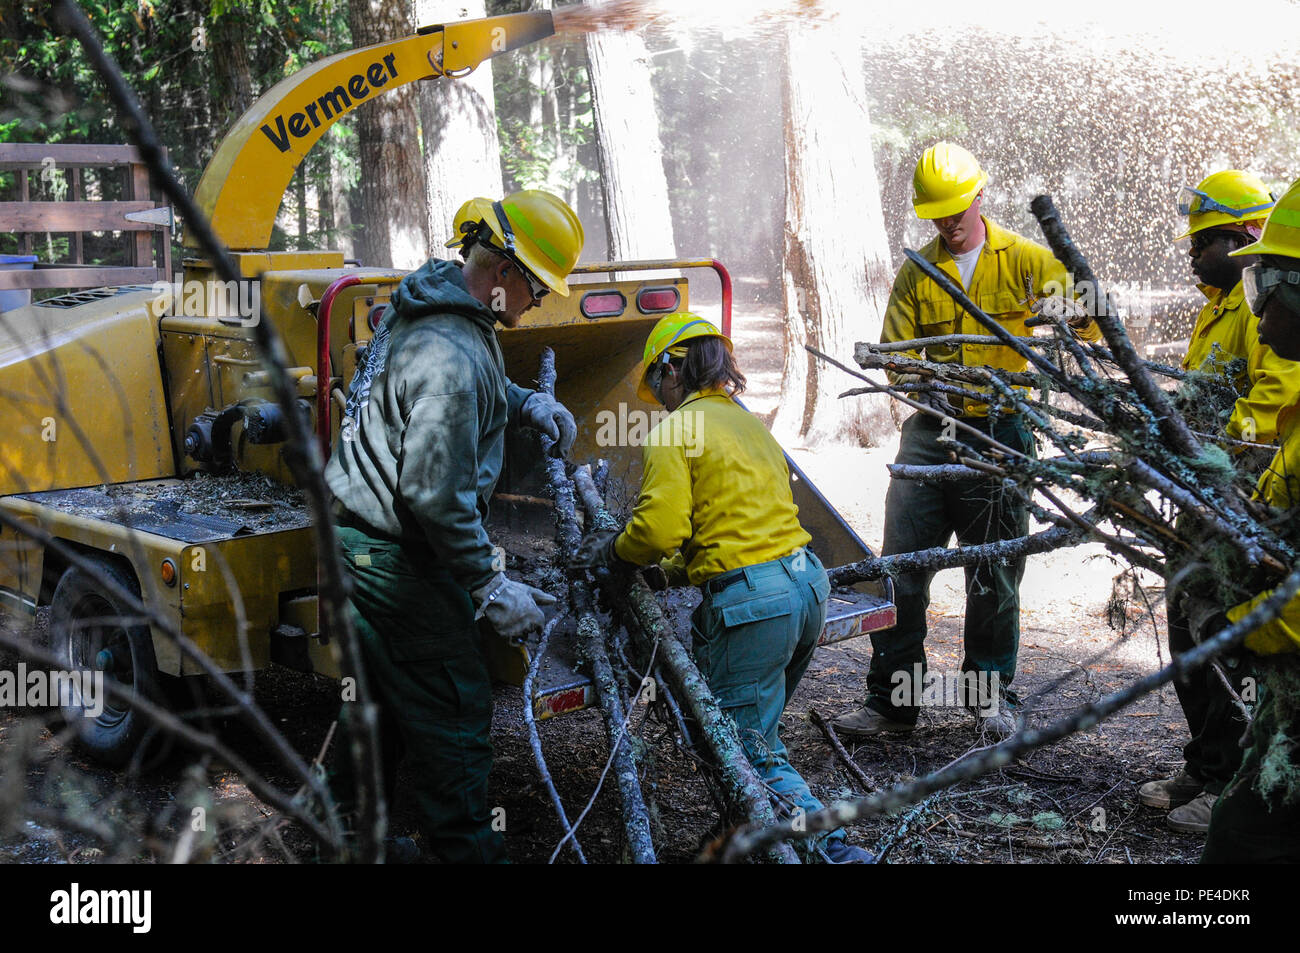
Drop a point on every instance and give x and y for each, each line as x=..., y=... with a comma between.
x=18, y=297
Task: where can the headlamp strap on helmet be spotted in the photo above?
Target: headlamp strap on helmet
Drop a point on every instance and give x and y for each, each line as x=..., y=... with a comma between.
x=507, y=233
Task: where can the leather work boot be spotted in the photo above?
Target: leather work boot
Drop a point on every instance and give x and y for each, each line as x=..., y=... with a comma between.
x=866, y=722
x=1170, y=792
x=1194, y=816
x=1001, y=726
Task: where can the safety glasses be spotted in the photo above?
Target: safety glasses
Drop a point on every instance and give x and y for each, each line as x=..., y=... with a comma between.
x=535, y=287
x=1194, y=201
x=1259, y=281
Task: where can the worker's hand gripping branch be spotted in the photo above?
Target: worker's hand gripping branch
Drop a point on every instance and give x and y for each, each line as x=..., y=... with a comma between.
x=596, y=551
x=512, y=607
x=547, y=415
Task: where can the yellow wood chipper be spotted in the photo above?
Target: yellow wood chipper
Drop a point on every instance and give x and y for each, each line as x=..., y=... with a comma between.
x=142, y=437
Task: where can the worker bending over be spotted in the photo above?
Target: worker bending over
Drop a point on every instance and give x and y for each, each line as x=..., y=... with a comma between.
x=412, y=476
x=716, y=510
x=1257, y=817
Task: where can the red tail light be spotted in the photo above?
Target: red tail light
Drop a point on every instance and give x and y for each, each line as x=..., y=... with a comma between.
x=603, y=304
x=657, y=300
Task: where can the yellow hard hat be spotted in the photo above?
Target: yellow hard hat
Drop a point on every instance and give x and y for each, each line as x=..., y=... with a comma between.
x=946, y=181
x=668, y=339
x=536, y=229
x=1231, y=197
x=1281, y=228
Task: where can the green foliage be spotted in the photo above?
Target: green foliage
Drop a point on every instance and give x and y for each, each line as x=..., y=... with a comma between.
x=1048, y=821
x=1279, y=766
x=545, y=119
x=184, y=58
x=1215, y=464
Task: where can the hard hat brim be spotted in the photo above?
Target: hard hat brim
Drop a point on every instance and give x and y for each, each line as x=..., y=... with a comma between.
x=1264, y=247
x=943, y=208
x=1216, y=220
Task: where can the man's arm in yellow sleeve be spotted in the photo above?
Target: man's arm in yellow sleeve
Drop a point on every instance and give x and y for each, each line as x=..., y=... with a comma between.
x=661, y=520
x=1274, y=384
x=901, y=315
x=1272, y=638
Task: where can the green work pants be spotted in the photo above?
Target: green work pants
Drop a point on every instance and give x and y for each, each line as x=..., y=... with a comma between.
x=419, y=644
x=924, y=515
x=753, y=636
x=1214, y=752
x=1244, y=827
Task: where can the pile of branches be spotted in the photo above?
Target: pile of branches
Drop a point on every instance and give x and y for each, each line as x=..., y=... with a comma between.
x=1131, y=464
x=1160, y=493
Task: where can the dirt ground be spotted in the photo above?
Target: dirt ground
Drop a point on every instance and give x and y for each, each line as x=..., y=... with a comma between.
x=1072, y=802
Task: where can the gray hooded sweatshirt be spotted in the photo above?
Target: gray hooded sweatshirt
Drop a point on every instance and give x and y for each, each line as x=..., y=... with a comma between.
x=422, y=455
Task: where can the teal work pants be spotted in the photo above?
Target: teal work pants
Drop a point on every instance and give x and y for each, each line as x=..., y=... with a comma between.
x=924, y=515
x=419, y=644
x=753, y=636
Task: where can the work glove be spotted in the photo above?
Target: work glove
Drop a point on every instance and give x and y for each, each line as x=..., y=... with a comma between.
x=1206, y=619
x=655, y=577
x=547, y=415
x=905, y=382
x=666, y=574
x=1060, y=308
x=597, y=550
x=511, y=607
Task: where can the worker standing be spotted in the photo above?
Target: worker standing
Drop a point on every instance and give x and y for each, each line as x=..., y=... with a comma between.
x=999, y=271
x=715, y=506
x=1225, y=212
x=1257, y=817
x=412, y=477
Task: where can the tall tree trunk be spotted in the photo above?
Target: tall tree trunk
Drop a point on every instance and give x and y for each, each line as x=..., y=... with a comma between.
x=228, y=45
x=325, y=198
x=547, y=116
x=343, y=203
x=300, y=189
x=462, y=153
x=837, y=274
x=637, y=213
x=392, y=213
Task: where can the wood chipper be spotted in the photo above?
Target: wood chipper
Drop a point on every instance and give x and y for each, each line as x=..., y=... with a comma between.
x=142, y=436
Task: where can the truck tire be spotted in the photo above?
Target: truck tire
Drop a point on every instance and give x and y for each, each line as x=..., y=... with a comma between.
x=91, y=629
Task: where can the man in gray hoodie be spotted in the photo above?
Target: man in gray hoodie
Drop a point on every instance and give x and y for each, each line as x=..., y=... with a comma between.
x=417, y=459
